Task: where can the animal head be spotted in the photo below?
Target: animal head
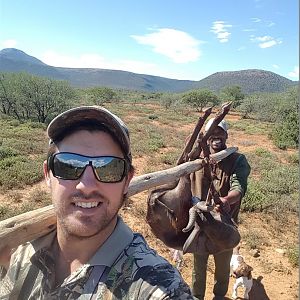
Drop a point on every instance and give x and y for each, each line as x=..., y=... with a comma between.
x=243, y=270
x=240, y=259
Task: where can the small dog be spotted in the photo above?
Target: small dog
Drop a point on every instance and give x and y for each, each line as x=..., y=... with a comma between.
x=242, y=272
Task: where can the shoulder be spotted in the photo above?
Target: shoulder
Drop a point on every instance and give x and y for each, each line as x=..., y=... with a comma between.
x=146, y=274
x=20, y=260
x=241, y=161
x=162, y=282
x=140, y=252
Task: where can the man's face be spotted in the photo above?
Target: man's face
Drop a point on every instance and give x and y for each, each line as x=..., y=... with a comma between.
x=217, y=140
x=70, y=197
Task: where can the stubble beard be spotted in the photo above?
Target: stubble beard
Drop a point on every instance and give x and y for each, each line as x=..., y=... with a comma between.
x=76, y=229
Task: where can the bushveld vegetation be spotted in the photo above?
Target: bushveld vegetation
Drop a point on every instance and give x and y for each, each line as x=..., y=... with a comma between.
x=158, y=124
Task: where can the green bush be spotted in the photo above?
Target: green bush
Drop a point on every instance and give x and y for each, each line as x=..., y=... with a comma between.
x=19, y=171
x=275, y=188
x=293, y=158
x=7, y=152
x=286, y=133
x=293, y=255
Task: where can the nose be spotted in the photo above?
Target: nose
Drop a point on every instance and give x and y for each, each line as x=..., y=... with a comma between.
x=88, y=182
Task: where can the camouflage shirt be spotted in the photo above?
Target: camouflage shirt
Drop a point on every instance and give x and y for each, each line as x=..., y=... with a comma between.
x=124, y=267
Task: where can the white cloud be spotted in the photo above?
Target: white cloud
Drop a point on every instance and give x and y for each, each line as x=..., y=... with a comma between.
x=294, y=73
x=53, y=58
x=177, y=45
x=268, y=44
x=270, y=24
x=275, y=66
x=219, y=28
x=255, y=20
x=265, y=41
x=9, y=43
x=249, y=30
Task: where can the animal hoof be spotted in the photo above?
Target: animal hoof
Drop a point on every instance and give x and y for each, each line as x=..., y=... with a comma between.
x=203, y=207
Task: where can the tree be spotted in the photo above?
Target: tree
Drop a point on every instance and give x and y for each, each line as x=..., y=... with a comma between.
x=28, y=97
x=99, y=95
x=200, y=98
x=232, y=93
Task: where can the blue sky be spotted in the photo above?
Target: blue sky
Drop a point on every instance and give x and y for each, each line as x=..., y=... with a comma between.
x=181, y=39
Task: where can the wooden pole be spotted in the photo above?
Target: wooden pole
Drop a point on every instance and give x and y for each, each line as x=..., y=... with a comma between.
x=31, y=225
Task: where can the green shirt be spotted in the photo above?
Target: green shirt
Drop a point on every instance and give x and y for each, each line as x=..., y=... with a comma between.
x=124, y=267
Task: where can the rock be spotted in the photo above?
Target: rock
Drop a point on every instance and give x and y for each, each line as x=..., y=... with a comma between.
x=254, y=252
x=281, y=251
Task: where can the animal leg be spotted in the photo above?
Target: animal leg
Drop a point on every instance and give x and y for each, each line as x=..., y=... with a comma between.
x=246, y=293
x=234, y=292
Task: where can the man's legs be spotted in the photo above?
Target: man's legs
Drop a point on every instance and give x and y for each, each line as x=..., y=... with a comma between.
x=222, y=270
x=199, y=276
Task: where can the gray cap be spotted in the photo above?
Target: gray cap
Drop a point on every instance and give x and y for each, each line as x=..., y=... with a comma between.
x=94, y=113
x=223, y=124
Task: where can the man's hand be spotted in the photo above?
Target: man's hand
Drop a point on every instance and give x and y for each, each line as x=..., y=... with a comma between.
x=225, y=206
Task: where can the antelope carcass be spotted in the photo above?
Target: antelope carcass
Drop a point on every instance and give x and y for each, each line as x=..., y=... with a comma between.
x=184, y=222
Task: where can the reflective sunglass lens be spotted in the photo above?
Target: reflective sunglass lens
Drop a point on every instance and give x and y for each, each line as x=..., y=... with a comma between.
x=111, y=171
x=70, y=166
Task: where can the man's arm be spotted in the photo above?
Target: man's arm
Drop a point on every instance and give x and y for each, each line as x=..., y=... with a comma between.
x=238, y=183
x=232, y=197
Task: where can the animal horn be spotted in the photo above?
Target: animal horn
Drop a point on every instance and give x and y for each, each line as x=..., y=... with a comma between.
x=192, y=219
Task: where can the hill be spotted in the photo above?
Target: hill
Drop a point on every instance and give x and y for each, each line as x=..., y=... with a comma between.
x=250, y=81
x=14, y=60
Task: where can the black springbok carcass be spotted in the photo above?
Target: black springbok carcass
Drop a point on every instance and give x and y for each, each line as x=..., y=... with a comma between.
x=184, y=222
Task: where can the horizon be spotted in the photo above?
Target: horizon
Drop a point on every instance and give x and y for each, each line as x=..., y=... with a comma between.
x=224, y=71
x=183, y=41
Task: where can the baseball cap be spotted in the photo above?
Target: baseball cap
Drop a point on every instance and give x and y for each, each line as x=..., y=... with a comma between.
x=91, y=113
x=223, y=124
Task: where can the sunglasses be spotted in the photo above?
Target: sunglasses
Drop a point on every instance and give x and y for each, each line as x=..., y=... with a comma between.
x=70, y=166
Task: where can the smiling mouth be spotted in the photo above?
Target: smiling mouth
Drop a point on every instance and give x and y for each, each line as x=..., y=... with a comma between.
x=87, y=204
x=216, y=141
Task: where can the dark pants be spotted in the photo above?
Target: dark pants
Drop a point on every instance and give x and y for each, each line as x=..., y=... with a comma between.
x=222, y=270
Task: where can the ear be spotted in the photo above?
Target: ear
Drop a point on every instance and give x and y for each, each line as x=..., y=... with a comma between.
x=46, y=173
x=128, y=179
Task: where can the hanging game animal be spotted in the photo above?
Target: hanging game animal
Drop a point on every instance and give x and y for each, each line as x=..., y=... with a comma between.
x=172, y=212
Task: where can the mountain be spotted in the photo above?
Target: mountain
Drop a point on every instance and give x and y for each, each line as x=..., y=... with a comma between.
x=250, y=81
x=14, y=60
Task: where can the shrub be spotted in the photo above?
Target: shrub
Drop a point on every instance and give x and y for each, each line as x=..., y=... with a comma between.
x=276, y=187
x=19, y=171
x=293, y=158
x=293, y=255
x=253, y=239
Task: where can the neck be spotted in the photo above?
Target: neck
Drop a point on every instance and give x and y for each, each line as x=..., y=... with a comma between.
x=72, y=251
x=216, y=150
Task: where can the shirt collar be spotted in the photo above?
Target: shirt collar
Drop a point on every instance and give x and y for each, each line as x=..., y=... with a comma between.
x=120, y=238
x=109, y=250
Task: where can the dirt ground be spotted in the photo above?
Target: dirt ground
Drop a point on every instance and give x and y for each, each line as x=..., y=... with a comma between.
x=274, y=277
